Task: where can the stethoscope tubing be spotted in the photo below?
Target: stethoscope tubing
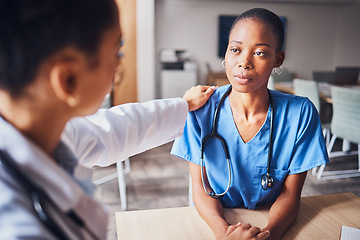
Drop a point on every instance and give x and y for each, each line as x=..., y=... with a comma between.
x=266, y=180
x=213, y=194
x=214, y=134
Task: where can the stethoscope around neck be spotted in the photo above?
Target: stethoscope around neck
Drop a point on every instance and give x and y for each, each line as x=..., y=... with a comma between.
x=267, y=180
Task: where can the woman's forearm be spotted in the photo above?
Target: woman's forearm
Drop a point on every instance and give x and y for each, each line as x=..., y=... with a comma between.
x=286, y=207
x=211, y=211
x=282, y=213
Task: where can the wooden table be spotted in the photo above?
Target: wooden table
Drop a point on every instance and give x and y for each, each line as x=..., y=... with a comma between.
x=285, y=87
x=320, y=217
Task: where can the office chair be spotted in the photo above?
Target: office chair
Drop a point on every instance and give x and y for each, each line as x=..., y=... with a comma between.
x=191, y=202
x=345, y=124
x=271, y=83
x=122, y=167
x=310, y=89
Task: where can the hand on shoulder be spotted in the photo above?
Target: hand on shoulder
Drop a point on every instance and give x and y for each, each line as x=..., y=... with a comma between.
x=197, y=96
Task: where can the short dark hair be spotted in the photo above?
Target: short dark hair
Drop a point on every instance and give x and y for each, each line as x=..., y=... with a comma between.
x=267, y=17
x=33, y=30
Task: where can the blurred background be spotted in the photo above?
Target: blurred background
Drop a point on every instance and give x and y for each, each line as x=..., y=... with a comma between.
x=320, y=35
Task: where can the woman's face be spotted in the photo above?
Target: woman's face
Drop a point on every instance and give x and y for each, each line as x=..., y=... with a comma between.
x=98, y=81
x=251, y=55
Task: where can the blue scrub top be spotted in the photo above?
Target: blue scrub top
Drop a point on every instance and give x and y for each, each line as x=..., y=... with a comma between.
x=298, y=145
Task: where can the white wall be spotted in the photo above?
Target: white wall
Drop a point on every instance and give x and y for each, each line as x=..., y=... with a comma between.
x=319, y=36
x=145, y=31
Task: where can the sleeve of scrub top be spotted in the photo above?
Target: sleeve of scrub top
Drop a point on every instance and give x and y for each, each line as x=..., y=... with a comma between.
x=125, y=130
x=310, y=149
x=188, y=145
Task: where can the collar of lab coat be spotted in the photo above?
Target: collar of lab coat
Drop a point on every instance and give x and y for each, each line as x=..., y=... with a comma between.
x=47, y=175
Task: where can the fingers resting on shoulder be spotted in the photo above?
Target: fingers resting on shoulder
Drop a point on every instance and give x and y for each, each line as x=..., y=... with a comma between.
x=197, y=96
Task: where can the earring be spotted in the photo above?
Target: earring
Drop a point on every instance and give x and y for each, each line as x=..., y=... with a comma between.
x=277, y=72
x=223, y=63
x=72, y=102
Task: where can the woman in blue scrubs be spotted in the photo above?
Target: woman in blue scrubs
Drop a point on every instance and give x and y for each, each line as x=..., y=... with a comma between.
x=254, y=50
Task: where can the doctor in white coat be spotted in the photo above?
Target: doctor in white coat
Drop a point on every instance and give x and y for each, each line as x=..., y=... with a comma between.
x=55, y=69
x=99, y=139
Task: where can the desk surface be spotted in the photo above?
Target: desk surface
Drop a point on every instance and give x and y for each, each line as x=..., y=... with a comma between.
x=320, y=217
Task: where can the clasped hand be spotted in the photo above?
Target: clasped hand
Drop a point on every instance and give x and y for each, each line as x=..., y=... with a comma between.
x=245, y=232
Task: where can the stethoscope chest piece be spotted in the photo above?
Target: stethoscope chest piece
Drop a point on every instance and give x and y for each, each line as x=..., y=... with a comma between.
x=266, y=181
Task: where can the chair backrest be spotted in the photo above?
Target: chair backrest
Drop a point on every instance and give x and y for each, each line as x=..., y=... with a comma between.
x=345, y=122
x=308, y=88
x=271, y=83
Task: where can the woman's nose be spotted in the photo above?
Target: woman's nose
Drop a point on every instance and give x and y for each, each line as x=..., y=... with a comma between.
x=244, y=61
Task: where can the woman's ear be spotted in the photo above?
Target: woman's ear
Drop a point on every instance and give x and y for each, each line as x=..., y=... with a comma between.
x=280, y=56
x=64, y=83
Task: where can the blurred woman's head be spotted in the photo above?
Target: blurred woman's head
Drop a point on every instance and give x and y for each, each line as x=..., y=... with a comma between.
x=31, y=31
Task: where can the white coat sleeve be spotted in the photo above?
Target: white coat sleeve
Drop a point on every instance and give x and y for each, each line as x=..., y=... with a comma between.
x=125, y=130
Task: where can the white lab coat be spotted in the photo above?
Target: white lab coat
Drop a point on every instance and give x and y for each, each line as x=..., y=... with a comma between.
x=100, y=139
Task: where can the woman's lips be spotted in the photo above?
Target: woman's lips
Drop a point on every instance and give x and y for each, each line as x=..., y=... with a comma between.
x=242, y=79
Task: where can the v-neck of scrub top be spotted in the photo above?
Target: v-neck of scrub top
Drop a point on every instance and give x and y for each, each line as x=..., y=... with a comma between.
x=264, y=129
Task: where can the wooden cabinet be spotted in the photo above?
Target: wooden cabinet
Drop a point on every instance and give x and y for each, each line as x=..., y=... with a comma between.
x=217, y=79
x=125, y=89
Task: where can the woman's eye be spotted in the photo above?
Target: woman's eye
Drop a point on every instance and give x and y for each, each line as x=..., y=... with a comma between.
x=234, y=50
x=260, y=54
